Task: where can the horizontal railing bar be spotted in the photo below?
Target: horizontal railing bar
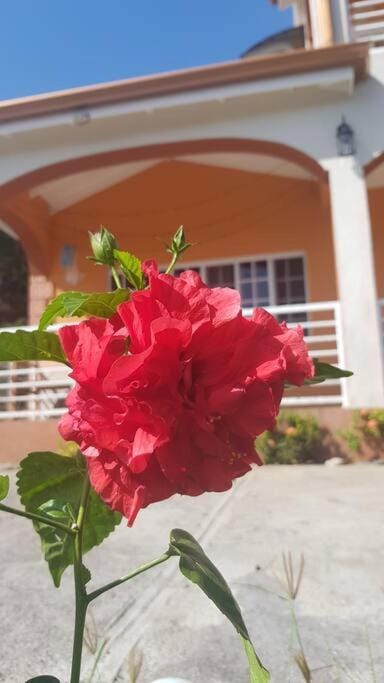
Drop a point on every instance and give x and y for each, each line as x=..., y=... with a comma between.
x=311, y=400
x=320, y=338
x=376, y=38
x=297, y=308
x=305, y=324
x=23, y=398
x=38, y=383
x=33, y=328
x=370, y=27
x=38, y=369
x=358, y=4
x=370, y=15
x=48, y=412
x=325, y=353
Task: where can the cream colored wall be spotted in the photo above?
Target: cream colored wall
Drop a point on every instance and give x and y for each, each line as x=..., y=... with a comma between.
x=226, y=213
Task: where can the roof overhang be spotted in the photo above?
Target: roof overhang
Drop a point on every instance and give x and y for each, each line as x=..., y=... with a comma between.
x=338, y=66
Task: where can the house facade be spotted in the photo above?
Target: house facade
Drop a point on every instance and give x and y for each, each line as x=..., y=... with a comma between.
x=274, y=164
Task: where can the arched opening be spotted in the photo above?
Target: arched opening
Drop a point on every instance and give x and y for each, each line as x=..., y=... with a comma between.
x=249, y=206
x=13, y=280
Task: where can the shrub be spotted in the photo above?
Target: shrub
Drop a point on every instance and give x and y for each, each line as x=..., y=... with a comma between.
x=366, y=432
x=295, y=439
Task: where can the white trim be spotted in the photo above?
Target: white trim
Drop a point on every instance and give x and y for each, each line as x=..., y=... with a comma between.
x=298, y=308
x=311, y=400
x=237, y=259
x=340, y=77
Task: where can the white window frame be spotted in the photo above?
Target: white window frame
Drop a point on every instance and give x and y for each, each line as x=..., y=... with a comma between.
x=235, y=262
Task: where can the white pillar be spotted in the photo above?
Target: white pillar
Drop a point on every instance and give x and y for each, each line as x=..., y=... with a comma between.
x=361, y=328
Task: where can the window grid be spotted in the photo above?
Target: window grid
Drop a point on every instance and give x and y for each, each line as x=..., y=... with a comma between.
x=258, y=280
x=266, y=281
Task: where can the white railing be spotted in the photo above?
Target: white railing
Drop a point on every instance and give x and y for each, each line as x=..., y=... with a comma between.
x=36, y=391
x=322, y=332
x=32, y=390
x=367, y=21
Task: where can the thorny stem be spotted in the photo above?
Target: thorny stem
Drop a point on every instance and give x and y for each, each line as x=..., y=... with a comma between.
x=42, y=519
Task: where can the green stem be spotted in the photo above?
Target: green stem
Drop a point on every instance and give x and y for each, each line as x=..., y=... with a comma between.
x=171, y=266
x=139, y=570
x=80, y=590
x=42, y=519
x=116, y=278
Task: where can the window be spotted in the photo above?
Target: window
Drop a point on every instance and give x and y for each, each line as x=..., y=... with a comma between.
x=261, y=282
x=220, y=276
x=254, y=283
x=264, y=282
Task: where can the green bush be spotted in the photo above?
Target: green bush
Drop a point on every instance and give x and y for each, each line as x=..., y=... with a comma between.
x=367, y=431
x=295, y=439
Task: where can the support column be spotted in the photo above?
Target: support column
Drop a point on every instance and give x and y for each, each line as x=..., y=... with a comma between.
x=321, y=23
x=361, y=328
x=40, y=291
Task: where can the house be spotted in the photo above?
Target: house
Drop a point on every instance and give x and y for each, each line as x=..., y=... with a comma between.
x=274, y=164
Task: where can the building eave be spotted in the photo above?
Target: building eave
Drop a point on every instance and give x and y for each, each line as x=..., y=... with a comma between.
x=259, y=68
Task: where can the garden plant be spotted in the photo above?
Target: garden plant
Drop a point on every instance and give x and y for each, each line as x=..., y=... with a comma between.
x=171, y=387
x=366, y=434
x=293, y=440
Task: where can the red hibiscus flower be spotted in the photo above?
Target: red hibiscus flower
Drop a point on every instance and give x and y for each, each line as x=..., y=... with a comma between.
x=171, y=393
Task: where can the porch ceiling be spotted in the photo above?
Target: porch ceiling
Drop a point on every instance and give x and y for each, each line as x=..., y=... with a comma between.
x=70, y=189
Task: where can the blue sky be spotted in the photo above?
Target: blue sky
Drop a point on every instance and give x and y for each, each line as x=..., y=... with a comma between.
x=54, y=44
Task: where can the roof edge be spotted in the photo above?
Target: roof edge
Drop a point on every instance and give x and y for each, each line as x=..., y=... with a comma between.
x=225, y=73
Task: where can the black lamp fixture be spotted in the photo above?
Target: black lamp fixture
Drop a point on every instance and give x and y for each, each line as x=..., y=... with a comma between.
x=345, y=136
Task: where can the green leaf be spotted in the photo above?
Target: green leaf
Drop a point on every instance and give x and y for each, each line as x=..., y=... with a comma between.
x=4, y=486
x=69, y=304
x=131, y=268
x=198, y=568
x=43, y=679
x=22, y=345
x=50, y=483
x=324, y=371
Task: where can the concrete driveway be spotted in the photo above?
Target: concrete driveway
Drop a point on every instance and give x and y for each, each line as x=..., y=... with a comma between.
x=334, y=516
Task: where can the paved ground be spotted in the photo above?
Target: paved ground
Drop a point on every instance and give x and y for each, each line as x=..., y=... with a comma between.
x=334, y=516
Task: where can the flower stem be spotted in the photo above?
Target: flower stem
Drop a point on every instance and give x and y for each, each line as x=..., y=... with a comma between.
x=80, y=589
x=139, y=570
x=172, y=264
x=42, y=519
x=116, y=278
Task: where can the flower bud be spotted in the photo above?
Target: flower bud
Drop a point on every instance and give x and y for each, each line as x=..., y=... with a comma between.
x=179, y=243
x=102, y=244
